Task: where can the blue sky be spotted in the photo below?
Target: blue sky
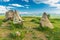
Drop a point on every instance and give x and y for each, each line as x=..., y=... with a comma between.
x=31, y=6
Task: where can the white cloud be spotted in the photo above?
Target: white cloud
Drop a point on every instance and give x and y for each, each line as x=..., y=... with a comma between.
x=3, y=9
x=16, y=5
x=9, y=7
x=4, y=0
x=26, y=0
x=52, y=3
x=23, y=12
x=45, y=1
x=38, y=1
x=27, y=6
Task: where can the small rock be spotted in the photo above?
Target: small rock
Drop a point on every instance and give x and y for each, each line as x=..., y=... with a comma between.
x=18, y=33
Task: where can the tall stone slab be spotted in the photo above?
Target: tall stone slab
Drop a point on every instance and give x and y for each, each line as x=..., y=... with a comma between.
x=45, y=22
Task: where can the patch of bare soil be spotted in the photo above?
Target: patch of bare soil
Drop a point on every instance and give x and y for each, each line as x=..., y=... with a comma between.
x=35, y=35
x=4, y=32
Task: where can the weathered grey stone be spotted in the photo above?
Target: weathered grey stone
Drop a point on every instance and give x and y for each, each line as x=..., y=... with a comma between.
x=17, y=18
x=44, y=22
x=9, y=15
x=14, y=16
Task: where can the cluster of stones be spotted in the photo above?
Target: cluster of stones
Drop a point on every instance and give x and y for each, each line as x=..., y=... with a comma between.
x=13, y=15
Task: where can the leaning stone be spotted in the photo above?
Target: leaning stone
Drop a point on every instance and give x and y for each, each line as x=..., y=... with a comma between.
x=44, y=22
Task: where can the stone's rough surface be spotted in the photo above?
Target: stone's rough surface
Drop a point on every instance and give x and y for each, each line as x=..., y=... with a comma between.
x=17, y=18
x=14, y=16
x=9, y=15
x=44, y=22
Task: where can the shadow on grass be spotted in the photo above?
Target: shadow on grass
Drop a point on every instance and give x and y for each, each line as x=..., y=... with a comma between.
x=13, y=26
x=43, y=29
x=51, y=34
x=35, y=21
x=19, y=36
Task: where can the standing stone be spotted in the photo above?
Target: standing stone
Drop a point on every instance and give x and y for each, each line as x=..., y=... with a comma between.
x=9, y=15
x=44, y=22
x=14, y=16
x=17, y=18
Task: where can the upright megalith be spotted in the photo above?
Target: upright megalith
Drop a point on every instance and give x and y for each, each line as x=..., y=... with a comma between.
x=9, y=15
x=44, y=22
x=17, y=18
x=14, y=16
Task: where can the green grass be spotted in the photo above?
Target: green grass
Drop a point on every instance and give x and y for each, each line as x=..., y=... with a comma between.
x=30, y=30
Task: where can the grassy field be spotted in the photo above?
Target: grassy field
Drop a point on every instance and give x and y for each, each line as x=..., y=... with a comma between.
x=30, y=30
